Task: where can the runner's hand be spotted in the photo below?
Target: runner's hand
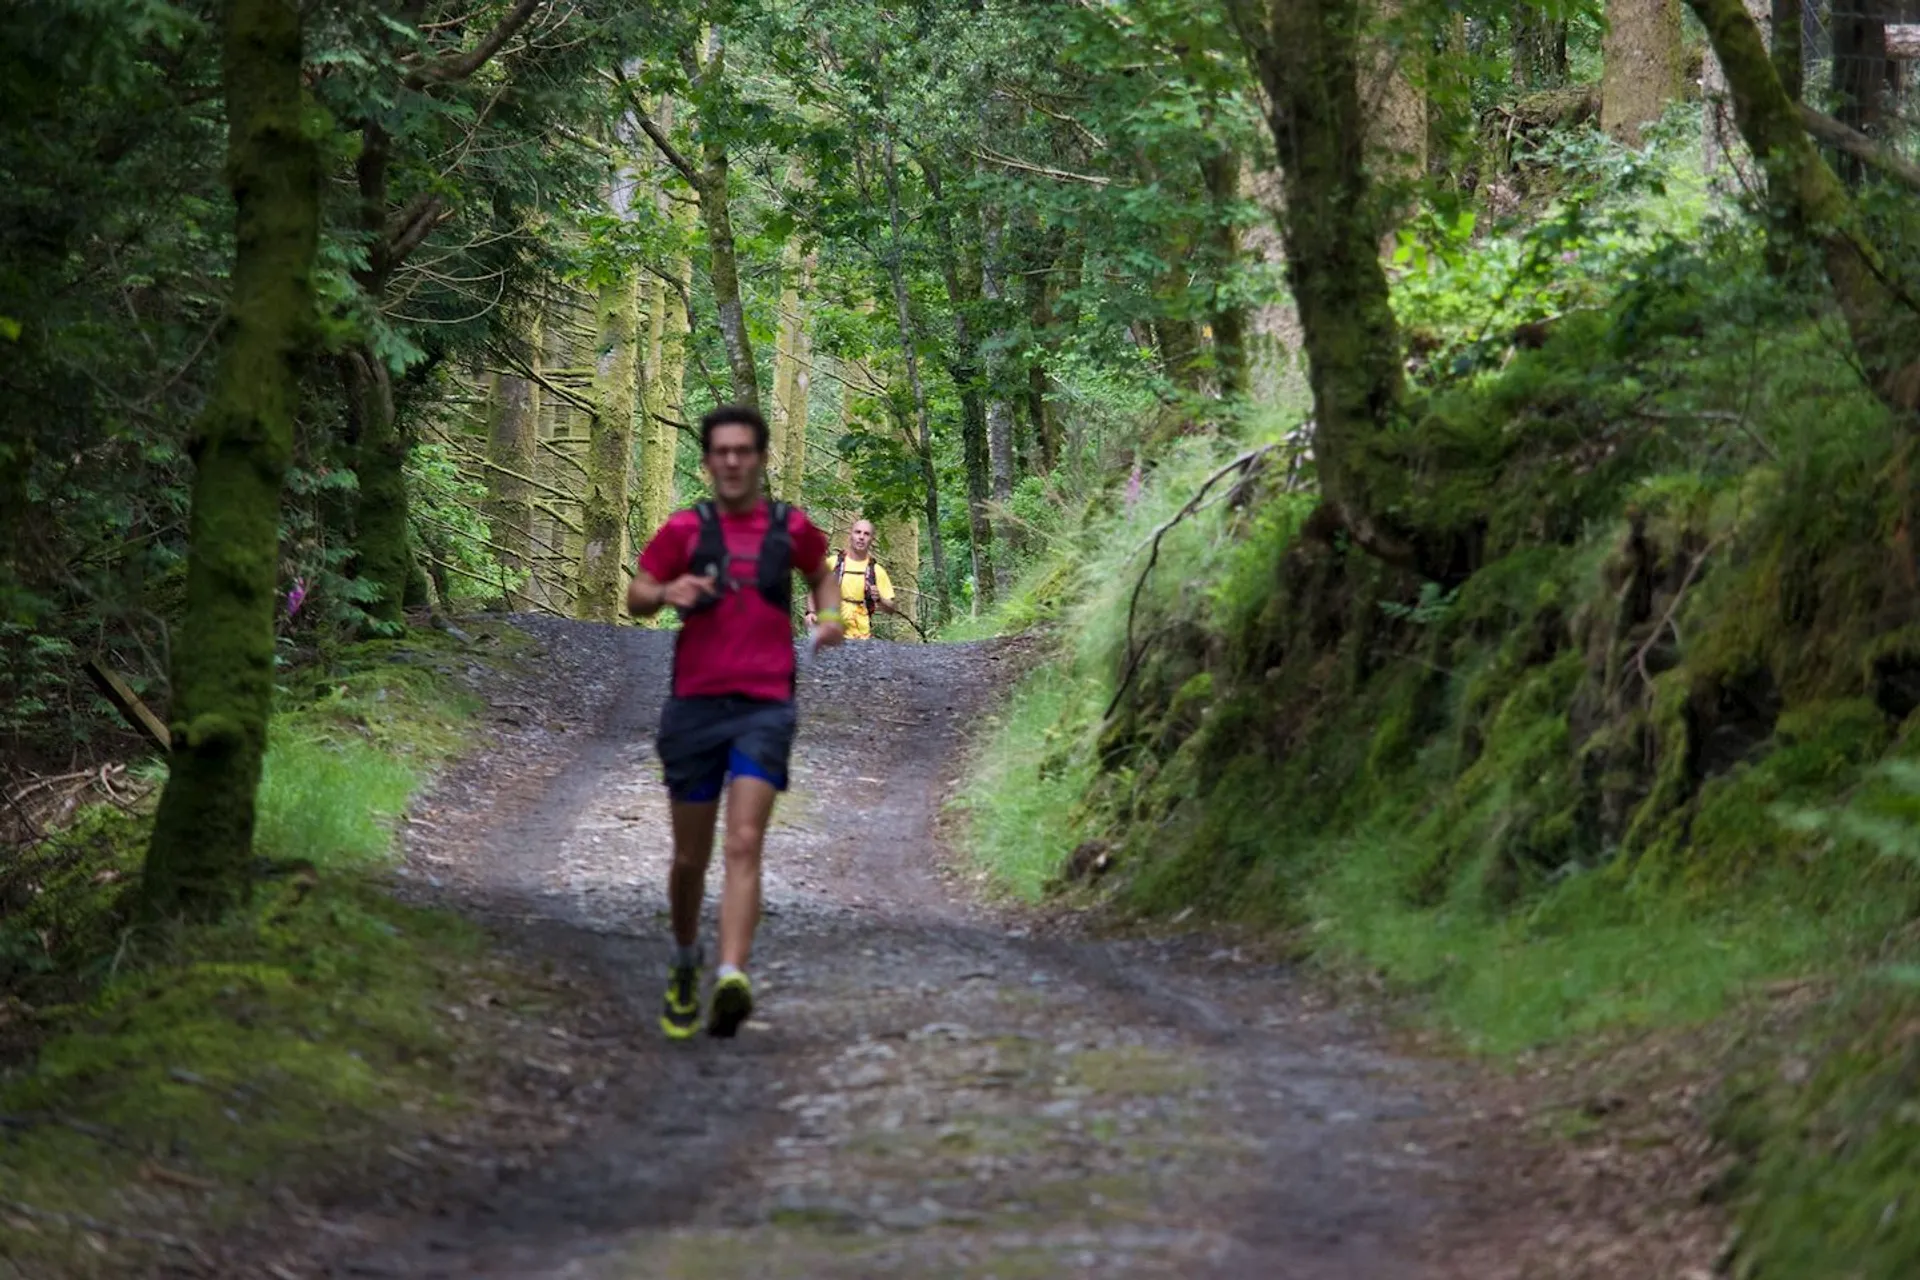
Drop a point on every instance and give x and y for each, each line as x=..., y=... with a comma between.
x=829, y=635
x=686, y=591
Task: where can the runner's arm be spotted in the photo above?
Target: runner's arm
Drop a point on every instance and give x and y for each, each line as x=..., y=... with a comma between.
x=646, y=595
x=823, y=589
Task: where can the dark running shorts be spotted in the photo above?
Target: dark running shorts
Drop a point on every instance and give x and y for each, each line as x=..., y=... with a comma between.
x=702, y=740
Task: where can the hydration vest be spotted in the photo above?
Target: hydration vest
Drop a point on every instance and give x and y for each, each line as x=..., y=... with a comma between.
x=773, y=563
x=872, y=601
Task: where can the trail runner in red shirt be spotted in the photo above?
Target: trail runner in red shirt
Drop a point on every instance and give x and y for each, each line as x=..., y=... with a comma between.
x=727, y=566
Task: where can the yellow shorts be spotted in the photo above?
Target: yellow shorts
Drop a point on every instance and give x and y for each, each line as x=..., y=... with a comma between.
x=856, y=622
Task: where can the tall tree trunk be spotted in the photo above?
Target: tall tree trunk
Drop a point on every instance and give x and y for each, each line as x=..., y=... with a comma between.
x=1644, y=65
x=665, y=392
x=666, y=362
x=1227, y=313
x=1863, y=77
x=1788, y=37
x=1307, y=53
x=909, y=352
x=960, y=263
x=1539, y=49
x=199, y=858
x=1046, y=425
x=1000, y=444
x=1884, y=329
x=791, y=383
x=603, y=513
x=1722, y=157
x=382, y=556
x=513, y=441
x=794, y=464
x=723, y=262
x=1396, y=107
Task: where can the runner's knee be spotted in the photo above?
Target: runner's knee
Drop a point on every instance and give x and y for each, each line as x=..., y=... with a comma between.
x=743, y=848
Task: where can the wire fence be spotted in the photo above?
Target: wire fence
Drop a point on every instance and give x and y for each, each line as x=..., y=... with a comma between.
x=1861, y=65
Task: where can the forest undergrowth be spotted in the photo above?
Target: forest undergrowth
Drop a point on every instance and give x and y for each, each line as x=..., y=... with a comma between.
x=1641, y=765
x=153, y=1076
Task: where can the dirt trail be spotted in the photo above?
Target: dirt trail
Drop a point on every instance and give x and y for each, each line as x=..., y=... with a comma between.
x=928, y=1090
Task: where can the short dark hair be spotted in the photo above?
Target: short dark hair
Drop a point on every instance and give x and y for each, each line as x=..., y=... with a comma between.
x=734, y=415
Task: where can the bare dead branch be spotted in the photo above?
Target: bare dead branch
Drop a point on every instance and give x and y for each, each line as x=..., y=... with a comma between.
x=459, y=66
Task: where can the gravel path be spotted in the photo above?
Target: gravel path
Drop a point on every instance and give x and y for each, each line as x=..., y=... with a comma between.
x=929, y=1089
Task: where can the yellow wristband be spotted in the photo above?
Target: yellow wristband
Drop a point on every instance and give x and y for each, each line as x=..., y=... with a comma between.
x=827, y=615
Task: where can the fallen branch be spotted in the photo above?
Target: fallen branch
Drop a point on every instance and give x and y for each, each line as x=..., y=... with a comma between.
x=1673, y=608
x=128, y=704
x=1242, y=465
x=1860, y=146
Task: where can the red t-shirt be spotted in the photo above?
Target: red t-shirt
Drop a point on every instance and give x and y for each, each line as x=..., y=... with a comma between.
x=743, y=645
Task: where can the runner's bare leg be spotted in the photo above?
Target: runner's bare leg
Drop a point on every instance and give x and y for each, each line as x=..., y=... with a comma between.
x=749, y=809
x=692, y=851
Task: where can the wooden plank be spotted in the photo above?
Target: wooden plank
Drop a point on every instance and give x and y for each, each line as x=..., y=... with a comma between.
x=128, y=704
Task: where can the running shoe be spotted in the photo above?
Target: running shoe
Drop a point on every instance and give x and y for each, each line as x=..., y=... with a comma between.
x=732, y=1004
x=680, y=1016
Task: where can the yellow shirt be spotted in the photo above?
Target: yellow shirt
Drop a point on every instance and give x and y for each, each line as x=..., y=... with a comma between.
x=853, y=596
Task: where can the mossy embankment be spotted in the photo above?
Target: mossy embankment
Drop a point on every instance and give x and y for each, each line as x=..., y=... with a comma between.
x=1637, y=757
x=161, y=1085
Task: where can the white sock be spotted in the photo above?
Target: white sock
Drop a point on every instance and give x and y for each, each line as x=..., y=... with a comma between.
x=727, y=971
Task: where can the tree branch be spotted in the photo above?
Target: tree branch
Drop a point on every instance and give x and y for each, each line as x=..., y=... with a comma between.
x=1065, y=175
x=427, y=212
x=654, y=131
x=1860, y=146
x=461, y=65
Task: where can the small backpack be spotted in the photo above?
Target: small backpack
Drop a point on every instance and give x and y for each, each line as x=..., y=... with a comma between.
x=773, y=562
x=873, y=578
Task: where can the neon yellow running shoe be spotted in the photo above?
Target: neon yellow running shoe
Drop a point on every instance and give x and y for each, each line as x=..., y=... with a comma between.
x=680, y=1016
x=732, y=1004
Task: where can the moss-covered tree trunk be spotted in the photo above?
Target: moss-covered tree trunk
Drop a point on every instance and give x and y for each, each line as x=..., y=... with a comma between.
x=791, y=383
x=382, y=554
x=513, y=440
x=665, y=366
x=199, y=860
x=1307, y=53
x=603, y=510
x=666, y=371
x=1884, y=329
x=723, y=257
x=1644, y=68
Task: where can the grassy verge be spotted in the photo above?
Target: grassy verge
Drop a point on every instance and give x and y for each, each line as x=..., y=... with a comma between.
x=1638, y=767
x=162, y=1083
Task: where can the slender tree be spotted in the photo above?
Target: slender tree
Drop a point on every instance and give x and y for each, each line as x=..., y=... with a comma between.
x=603, y=512
x=513, y=424
x=199, y=861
